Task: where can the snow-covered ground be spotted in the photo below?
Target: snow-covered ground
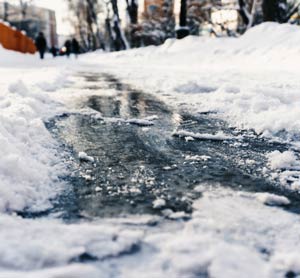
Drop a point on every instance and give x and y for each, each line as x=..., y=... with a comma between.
x=251, y=82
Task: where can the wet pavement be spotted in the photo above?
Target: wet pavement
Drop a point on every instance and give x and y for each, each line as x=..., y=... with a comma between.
x=136, y=159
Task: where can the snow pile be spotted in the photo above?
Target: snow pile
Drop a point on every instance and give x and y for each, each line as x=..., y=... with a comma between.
x=272, y=199
x=159, y=203
x=85, y=157
x=30, y=164
x=27, y=162
x=282, y=160
x=140, y=122
x=286, y=167
x=220, y=136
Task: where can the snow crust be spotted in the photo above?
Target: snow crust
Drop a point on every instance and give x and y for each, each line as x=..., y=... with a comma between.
x=224, y=222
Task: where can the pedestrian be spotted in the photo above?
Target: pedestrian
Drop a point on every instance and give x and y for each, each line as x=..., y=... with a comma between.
x=68, y=46
x=53, y=51
x=75, y=47
x=41, y=44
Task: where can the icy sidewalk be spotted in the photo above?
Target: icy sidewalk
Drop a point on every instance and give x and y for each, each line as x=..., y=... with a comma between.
x=230, y=234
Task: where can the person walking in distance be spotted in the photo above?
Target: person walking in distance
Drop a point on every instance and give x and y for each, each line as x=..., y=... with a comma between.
x=41, y=44
x=75, y=47
x=68, y=46
x=53, y=51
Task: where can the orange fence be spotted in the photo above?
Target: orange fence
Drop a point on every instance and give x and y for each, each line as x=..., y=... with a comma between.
x=15, y=40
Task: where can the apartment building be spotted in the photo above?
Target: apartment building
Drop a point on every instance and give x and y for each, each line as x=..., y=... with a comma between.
x=32, y=20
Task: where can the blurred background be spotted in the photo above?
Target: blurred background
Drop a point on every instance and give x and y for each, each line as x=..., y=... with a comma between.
x=114, y=25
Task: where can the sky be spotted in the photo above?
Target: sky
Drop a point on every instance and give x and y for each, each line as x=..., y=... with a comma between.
x=61, y=9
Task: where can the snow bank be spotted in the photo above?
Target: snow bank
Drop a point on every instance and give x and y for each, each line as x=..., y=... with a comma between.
x=29, y=161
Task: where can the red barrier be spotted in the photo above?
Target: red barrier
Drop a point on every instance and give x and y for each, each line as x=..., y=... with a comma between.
x=15, y=40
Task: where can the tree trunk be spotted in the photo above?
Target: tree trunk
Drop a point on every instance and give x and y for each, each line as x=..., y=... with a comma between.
x=243, y=12
x=132, y=10
x=275, y=10
x=6, y=11
x=119, y=40
x=183, y=14
x=183, y=29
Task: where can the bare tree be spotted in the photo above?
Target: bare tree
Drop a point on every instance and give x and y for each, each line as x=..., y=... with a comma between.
x=85, y=20
x=24, y=7
x=132, y=10
x=183, y=29
x=279, y=10
x=120, y=42
x=248, y=11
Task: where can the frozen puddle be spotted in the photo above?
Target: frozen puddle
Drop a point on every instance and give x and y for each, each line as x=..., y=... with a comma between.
x=139, y=150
